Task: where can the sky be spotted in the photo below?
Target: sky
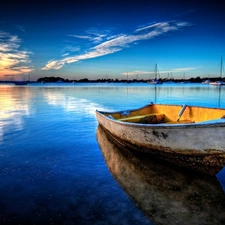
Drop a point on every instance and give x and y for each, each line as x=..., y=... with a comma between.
x=111, y=39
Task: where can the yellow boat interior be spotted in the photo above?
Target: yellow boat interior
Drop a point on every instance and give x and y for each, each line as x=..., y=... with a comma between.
x=171, y=114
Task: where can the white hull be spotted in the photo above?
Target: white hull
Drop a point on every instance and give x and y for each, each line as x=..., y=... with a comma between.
x=193, y=138
x=217, y=83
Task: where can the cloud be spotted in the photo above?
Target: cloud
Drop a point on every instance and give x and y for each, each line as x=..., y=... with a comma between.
x=155, y=25
x=13, y=60
x=144, y=72
x=69, y=49
x=21, y=28
x=92, y=36
x=184, y=69
x=138, y=72
x=81, y=37
x=117, y=43
x=186, y=12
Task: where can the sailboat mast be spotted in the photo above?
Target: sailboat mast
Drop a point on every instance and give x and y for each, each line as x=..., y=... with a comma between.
x=156, y=71
x=221, y=66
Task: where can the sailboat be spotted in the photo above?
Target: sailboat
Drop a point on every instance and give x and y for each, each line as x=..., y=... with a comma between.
x=155, y=80
x=221, y=71
x=22, y=82
x=184, y=80
x=206, y=81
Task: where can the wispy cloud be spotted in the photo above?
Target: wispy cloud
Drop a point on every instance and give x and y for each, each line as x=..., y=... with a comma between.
x=81, y=37
x=150, y=26
x=21, y=28
x=144, y=72
x=92, y=35
x=69, y=49
x=184, y=69
x=138, y=72
x=13, y=60
x=117, y=43
x=186, y=12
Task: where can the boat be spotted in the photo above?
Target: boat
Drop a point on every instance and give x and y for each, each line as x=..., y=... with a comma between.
x=206, y=81
x=21, y=82
x=219, y=82
x=188, y=136
x=184, y=81
x=165, y=194
x=155, y=80
x=60, y=81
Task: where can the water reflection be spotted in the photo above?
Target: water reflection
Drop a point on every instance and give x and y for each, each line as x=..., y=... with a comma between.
x=190, y=94
x=167, y=195
x=71, y=104
x=219, y=96
x=15, y=104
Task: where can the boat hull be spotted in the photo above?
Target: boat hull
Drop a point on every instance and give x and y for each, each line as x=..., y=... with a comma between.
x=21, y=83
x=196, y=146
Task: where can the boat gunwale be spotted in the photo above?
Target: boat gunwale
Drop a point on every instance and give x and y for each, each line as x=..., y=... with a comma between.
x=220, y=122
x=162, y=104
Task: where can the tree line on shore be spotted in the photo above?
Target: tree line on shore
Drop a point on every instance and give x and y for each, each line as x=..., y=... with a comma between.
x=86, y=80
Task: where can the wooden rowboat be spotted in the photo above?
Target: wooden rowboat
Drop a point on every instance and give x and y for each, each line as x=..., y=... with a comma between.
x=188, y=136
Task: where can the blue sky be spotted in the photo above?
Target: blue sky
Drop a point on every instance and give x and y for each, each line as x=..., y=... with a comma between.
x=111, y=39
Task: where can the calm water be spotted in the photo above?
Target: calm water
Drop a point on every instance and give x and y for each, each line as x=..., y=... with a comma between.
x=58, y=167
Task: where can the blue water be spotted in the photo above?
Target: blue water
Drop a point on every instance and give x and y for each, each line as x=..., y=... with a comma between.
x=52, y=170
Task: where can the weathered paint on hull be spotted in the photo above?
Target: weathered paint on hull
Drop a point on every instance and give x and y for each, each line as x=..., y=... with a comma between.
x=167, y=195
x=199, y=147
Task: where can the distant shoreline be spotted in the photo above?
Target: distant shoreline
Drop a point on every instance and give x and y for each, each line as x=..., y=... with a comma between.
x=86, y=80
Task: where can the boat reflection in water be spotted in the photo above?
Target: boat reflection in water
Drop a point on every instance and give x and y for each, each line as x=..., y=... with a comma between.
x=165, y=194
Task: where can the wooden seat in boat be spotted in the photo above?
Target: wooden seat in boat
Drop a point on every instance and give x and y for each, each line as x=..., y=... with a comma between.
x=146, y=118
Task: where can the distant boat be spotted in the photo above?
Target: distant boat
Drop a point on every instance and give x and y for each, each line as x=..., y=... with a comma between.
x=169, y=82
x=155, y=80
x=59, y=81
x=21, y=82
x=206, y=82
x=221, y=71
x=196, y=141
x=184, y=81
x=217, y=83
